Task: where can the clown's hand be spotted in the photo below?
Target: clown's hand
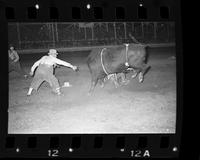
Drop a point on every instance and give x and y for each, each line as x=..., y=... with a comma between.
x=75, y=68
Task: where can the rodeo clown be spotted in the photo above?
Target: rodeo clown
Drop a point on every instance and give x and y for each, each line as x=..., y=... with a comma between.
x=45, y=71
x=14, y=64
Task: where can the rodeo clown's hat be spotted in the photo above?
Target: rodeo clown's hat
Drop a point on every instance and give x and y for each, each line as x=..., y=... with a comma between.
x=11, y=46
x=52, y=52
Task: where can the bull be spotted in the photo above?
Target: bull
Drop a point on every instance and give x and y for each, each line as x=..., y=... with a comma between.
x=108, y=62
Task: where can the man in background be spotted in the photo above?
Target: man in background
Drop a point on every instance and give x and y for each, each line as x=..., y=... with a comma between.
x=14, y=64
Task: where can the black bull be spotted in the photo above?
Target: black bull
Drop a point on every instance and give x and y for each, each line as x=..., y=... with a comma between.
x=103, y=62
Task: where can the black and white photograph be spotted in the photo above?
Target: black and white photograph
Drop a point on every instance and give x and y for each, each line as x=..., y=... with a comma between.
x=92, y=78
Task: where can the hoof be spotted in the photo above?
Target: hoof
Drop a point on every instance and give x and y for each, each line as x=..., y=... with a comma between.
x=141, y=78
x=126, y=82
x=117, y=85
x=134, y=75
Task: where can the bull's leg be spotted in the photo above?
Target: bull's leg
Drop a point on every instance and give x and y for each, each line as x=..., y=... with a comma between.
x=105, y=78
x=139, y=72
x=144, y=69
x=93, y=84
x=141, y=77
x=102, y=83
x=135, y=73
x=122, y=76
x=116, y=84
x=147, y=67
x=115, y=80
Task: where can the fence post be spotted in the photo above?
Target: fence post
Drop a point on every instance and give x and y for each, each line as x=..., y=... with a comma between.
x=155, y=30
x=115, y=31
x=107, y=26
x=18, y=35
x=125, y=31
x=133, y=25
x=73, y=35
x=85, y=33
x=53, y=37
x=168, y=39
x=142, y=31
x=56, y=30
x=92, y=32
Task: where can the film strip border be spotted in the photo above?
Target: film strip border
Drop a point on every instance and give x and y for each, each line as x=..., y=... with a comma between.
x=91, y=145
x=87, y=10
x=113, y=146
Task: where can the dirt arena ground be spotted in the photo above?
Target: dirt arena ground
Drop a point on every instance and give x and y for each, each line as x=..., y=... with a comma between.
x=148, y=107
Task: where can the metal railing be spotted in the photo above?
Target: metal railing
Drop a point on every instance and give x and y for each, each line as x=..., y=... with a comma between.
x=69, y=35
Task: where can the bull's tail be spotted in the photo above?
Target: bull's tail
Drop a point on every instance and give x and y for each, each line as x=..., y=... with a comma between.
x=133, y=38
x=136, y=41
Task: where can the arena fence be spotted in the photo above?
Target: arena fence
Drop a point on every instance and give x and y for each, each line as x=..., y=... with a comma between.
x=39, y=36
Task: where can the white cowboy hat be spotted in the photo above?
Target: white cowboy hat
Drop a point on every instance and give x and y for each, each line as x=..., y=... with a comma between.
x=52, y=52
